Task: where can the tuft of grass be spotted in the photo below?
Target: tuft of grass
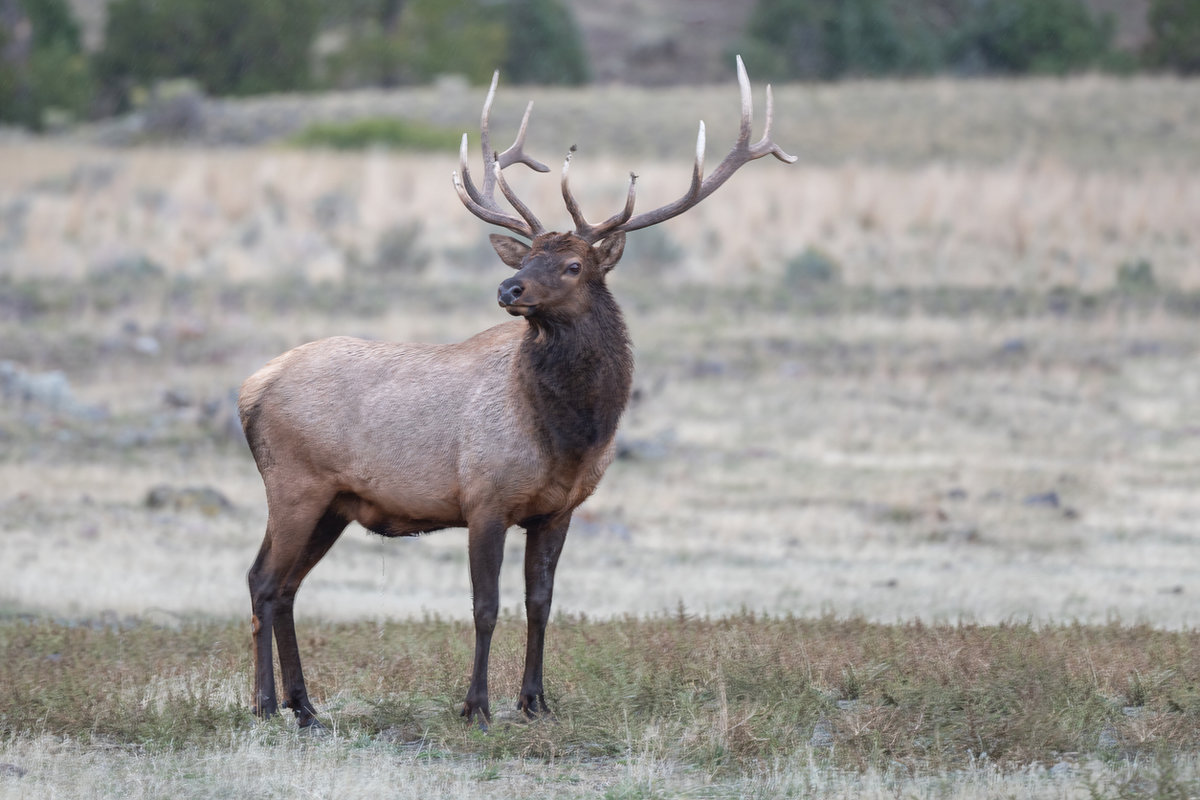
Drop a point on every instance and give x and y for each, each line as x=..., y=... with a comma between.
x=390, y=132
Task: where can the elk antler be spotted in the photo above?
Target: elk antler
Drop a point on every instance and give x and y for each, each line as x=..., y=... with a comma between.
x=743, y=151
x=482, y=203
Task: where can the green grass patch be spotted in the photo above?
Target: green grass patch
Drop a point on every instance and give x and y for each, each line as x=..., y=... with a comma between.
x=398, y=134
x=721, y=694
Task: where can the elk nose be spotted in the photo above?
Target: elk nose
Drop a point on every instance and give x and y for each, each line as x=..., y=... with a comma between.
x=510, y=290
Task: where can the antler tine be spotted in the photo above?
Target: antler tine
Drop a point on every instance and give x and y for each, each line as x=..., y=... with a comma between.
x=581, y=222
x=481, y=202
x=741, y=153
x=516, y=153
x=765, y=141
x=466, y=173
x=491, y=214
x=584, y=229
x=535, y=227
x=747, y=104
x=485, y=137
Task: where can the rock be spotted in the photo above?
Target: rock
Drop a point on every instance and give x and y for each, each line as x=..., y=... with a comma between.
x=1108, y=739
x=204, y=499
x=822, y=735
x=1045, y=500
x=43, y=392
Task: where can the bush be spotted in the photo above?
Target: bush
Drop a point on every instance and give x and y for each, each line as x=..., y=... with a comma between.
x=544, y=44
x=1136, y=277
x=426, y=39
x=534, y=41
x=49, y=77
x=653, y=252
x=1041, y=36
x=386, y=131
x=227, y=46
x=813, y=267
x=1174, y=36
x=399, y=252
x=825, y=39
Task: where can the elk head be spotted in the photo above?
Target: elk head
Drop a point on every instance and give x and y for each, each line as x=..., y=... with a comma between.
x=553, y=269
x=554, y=273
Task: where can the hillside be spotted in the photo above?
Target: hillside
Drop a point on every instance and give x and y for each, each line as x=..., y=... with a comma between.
x=674, y=41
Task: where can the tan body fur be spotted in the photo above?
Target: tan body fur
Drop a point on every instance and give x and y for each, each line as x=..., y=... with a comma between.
x=410, y=438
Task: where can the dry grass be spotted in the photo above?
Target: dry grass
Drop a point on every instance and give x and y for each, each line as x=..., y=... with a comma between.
x=260, y=214
x=717, y=701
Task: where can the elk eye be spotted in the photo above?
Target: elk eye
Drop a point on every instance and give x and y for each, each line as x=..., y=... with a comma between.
x=573, y=268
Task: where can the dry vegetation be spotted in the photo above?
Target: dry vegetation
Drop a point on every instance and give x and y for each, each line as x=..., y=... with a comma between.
x=945, y=370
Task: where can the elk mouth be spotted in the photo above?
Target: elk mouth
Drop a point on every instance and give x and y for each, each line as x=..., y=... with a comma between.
x=519, y=309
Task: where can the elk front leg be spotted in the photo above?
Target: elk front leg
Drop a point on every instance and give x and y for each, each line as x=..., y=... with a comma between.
x=544, y=545
x=485, y=551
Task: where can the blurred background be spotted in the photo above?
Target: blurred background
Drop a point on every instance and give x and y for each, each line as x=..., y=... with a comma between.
x=945, y=367
x=67, y=61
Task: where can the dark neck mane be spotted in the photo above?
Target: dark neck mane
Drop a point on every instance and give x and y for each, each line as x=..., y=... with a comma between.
x=578, y=371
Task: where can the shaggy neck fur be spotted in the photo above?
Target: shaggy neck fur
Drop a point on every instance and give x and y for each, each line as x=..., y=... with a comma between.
x=579, y=370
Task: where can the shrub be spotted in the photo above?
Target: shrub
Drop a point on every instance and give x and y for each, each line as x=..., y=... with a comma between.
x=544, y=44
x=810, y=268
x=399, y=251
x=426, y=39
x=654, y=251
x=1174, y=35
x=823, y=39
x=1041, y=36
x=387, y=131
x=806, y=39
x=227, y=46
x=1136, y=277
x=534, y=41
x=50, y=76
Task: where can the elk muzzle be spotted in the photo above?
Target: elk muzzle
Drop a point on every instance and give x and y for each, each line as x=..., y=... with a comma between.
x=509, y=297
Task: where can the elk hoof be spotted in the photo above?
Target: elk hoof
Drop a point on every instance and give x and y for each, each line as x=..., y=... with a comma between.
x=534, y=706
x=264, y=710
x=312, y=727
x=476, y=714
x=309, y=724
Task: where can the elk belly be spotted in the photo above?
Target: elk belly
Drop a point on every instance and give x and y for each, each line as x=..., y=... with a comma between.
x=377, y=520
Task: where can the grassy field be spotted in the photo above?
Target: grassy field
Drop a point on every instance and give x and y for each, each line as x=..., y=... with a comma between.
x=738, y=706
x=909, y=477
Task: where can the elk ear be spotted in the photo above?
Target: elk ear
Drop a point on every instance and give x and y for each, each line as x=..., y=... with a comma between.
x=511, y=251
x=608, y=251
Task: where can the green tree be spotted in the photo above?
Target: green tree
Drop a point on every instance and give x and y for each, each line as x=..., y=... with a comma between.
x=829, y=39
x=1174, y=36
x=464, y=37
x=416, y=40
x=544, y=44
x=807, y=39
x=228, y=46
x=46, y=73
x=1042, y=36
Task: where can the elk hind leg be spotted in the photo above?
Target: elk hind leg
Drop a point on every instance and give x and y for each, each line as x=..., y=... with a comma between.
x=298, y=534
x=325, y=533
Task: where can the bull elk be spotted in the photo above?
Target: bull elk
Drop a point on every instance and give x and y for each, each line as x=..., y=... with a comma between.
x=514, y=426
